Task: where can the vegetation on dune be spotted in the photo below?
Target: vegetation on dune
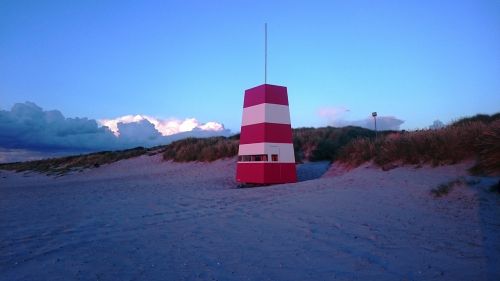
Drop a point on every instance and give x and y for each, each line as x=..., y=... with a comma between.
x=205, y=150
x=317, y=144
x=487, y=146
x=313, y=144
x=444, y=146
x=477, y=138
x=63, y=165
x=482, y=118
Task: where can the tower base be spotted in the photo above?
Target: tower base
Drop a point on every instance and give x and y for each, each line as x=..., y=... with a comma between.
x=266, y=173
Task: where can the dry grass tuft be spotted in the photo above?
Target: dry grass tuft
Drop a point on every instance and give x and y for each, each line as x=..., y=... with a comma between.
x=357, y=152
x=445, y=188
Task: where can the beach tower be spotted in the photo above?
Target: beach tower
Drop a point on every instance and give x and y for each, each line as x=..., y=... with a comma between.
x=265, y=154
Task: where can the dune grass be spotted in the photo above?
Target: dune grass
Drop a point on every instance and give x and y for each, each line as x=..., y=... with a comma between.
x=319, y=144
x=62, y=165
x=469, y=138
x=204, y=150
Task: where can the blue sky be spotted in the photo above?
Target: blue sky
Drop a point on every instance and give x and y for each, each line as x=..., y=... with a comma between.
x=415, y=60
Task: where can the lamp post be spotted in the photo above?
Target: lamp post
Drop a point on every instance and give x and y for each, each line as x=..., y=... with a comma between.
x=374, y=114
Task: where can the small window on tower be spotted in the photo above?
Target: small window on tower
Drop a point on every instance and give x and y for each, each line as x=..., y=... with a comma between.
x=274, y=157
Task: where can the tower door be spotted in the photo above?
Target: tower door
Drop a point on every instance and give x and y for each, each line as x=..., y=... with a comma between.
x=275, y=158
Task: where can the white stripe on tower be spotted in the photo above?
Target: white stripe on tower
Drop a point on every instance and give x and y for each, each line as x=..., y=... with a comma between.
x=266, y=113
x=285, y=150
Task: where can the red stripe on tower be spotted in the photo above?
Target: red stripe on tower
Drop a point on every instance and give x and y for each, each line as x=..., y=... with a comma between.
x=266, y=153
x=262, y=94
x=266, y=132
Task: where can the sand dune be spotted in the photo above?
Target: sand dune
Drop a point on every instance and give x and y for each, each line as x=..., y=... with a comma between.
x=144, y=219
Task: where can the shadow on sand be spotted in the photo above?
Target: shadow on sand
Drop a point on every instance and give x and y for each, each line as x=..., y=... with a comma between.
x=312, y=170
x=490, y=227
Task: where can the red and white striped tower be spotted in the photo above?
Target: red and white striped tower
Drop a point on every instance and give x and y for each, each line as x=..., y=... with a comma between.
x=266, y=153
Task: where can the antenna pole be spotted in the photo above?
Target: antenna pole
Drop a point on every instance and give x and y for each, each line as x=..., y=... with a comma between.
x=265, y=53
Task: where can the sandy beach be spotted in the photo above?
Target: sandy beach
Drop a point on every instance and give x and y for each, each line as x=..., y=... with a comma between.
x=145, y=219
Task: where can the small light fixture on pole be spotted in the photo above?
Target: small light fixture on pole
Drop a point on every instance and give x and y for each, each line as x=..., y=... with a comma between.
x=374, y=114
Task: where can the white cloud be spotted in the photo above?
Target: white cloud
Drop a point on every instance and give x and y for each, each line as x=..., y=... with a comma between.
x=212, y=126
x=166, y=127
x=112, y=124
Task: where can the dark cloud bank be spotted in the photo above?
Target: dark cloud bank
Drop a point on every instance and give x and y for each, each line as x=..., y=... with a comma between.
x=28, y=132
